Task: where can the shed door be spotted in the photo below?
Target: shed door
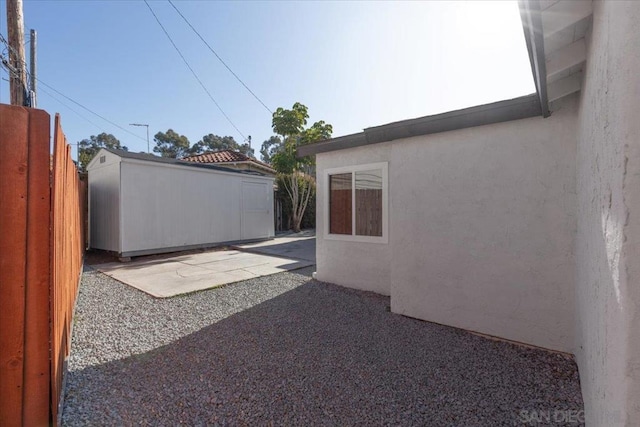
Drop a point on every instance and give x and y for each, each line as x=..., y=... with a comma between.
x=255, y=210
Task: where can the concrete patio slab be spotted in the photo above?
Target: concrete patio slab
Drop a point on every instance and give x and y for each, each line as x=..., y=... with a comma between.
x=295, y=245
x=173, y=276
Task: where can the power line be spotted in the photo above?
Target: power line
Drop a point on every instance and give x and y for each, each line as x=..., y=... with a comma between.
x=192, y=71
x=219, y=58
x=91, y=111
x=72, y=109
x=11, y=70
x=6, y=61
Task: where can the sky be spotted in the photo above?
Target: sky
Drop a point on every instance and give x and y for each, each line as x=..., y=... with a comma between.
x=353, y=64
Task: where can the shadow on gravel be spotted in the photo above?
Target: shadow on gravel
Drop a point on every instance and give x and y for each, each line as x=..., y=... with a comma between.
x=322, y=354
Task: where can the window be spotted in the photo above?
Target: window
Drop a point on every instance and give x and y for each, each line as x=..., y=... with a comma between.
x=340, y=203
x=357, y=203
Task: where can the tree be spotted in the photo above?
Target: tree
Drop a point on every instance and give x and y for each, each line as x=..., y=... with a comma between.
x=88, y=148
x=213, y=142
x=270, y=147
x=290, y=124
x=171, y=144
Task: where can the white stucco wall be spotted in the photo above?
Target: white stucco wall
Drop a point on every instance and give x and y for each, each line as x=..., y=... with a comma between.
x=365, y=266
x=481, y=229
x=483, y=223
x=608, y=238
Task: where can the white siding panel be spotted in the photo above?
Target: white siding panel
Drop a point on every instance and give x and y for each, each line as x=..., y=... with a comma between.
x=257, y=210
x=166, y=206
x=104, y=203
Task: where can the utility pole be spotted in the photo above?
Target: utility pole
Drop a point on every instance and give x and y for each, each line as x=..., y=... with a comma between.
x=15, y=27
x=32, y=68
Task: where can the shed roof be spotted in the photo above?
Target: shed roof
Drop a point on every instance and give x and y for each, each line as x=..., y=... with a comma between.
x=167, y=160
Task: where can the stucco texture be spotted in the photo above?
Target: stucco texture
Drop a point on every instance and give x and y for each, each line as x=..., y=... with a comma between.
x=481, y=229
x=364, y=266
x=608, y=238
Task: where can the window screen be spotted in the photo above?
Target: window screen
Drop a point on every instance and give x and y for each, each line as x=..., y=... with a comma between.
x=340, y=194
x=369, y=203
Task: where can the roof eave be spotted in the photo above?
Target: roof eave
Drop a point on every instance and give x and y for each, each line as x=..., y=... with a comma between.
x=502, y=111
x=531, y=17
x=251, y=163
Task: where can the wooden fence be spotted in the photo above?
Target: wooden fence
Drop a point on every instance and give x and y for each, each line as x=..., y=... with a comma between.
x=66, y=255
x=40, y=264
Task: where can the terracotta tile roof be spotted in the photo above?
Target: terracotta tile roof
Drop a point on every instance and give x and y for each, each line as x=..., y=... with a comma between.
x=225, y=156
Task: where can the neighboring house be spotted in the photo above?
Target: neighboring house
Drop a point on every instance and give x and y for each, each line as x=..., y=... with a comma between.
x=142, y=204
x=518, y=219
x=232, y=159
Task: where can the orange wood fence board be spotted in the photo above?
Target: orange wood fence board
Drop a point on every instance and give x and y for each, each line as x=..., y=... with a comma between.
x=13, y=247
x=67, y=250
x=57, y=252
x=37, y=369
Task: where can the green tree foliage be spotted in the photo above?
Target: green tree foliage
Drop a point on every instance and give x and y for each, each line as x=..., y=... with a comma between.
x=290, y=122
x=171, y=144
x=319, y=131
x=213, y=142
x=270, y=147
x=88, y=148
x=299, y=186
x=291, y=125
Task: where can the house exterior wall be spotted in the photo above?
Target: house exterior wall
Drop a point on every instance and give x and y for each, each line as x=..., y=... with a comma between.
x=104, y=203
x=365, y=266
x=168, y=206
x=608, y=237
x=481, y=229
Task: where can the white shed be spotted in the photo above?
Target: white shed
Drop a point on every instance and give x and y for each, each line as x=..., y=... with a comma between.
x=141, y=204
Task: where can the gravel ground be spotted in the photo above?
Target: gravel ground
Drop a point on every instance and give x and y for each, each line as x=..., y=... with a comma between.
x=288, y=350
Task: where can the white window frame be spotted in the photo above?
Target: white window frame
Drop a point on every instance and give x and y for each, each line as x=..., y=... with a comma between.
x=384, y=166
